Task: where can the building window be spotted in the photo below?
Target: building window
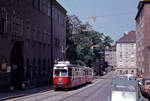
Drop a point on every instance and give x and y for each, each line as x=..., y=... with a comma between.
x=28, y=69
x=48, y=65
x=57, y=42
x=43, y=6
x=34, y=67
x=58, y=17
x=120, y=54
x=132, y=72
x=44, y=69
x=120, y=71
x=39, y=67
x=126, y=71
x=49, y=9
x=33, y=1
x=2, y=25
x=3, y=64
x=120, y=45
x=132, y=45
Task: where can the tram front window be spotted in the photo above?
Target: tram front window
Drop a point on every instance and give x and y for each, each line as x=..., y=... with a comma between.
x=60, y=72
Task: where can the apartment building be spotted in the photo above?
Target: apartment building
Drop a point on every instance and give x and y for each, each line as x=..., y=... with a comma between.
x=126, y=54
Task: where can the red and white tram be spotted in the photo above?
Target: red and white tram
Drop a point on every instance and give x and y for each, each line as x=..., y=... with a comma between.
x=66, y=75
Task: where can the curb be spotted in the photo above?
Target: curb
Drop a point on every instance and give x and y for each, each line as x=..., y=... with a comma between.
x=11, y=97
x=25, y=94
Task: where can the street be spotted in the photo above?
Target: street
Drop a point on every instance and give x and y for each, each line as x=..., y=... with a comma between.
x=98, y=90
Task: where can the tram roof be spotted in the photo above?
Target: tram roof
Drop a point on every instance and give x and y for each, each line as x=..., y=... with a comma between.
x=67, y=64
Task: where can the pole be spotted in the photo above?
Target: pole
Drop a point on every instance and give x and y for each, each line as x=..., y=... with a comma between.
x=52, y=62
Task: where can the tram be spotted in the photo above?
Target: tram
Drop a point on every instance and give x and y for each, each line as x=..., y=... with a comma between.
x=66, y=75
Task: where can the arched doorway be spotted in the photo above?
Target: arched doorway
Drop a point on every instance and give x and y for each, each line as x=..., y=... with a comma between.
x=17, y=64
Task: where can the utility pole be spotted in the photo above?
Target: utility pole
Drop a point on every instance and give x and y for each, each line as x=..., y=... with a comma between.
x=52, y=62
x=63, y=52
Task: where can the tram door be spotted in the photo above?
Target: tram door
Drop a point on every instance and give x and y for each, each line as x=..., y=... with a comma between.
x=17, y=70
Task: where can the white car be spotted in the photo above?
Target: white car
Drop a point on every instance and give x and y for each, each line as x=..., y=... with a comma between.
x=124, y=90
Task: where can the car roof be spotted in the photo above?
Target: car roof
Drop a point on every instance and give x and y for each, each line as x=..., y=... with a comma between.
x=124, y=82
x=124, y=85
x=124, y=88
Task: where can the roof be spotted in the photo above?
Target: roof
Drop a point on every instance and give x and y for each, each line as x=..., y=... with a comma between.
x=140, y=6
x=129, y=37
x=60, y=6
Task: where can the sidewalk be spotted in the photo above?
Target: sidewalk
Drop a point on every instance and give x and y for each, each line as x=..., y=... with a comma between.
x=19, y=93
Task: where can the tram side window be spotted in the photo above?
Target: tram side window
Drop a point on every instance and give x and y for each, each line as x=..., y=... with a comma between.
x=70, y=72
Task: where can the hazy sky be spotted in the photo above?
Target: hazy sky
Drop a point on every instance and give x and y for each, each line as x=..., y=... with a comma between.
x=114, y=17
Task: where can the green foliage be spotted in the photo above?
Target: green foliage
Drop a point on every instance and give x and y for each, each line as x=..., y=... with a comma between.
x=83, y=44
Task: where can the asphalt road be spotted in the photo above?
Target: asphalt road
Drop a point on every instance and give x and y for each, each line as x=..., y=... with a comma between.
x=97, y=91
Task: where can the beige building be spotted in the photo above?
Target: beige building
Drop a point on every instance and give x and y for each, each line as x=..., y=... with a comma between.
x=126, y=54
x=110, y=56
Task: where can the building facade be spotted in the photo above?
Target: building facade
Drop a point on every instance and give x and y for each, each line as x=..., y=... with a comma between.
x=126, y=54
x=99, y=63
x=25, y=41
x=143, y=37
x=110, y=56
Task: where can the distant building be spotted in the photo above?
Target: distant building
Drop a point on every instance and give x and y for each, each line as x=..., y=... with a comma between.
x=99, y=62
x=25, y=41
x=126, y=54
x=110, y=56
x=143, y=37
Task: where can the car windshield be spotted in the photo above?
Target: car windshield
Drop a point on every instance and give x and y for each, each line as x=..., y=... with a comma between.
x=132, y=78
x=123, y=96
x=121, y=77
x=125, y=88
x=60, y=72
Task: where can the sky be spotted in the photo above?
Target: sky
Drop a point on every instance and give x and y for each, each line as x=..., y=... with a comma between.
x=114, y=17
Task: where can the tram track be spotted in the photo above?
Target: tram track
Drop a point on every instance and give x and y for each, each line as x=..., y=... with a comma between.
x=86, y=97
x=46, y=95
x=86, y=89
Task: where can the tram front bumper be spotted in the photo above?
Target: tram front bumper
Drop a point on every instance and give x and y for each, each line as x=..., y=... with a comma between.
x=61, y=85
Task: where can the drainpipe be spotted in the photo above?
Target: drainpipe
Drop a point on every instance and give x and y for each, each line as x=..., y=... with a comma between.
x=52, y=62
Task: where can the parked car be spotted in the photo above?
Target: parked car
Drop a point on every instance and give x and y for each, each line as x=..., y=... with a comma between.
x=130, y=76
x=120, y=77
x=145, y=87
x=124, y=90
x=125, y=77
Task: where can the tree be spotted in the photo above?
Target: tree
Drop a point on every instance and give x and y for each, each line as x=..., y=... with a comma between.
x=83, y=44
x=108, y=41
